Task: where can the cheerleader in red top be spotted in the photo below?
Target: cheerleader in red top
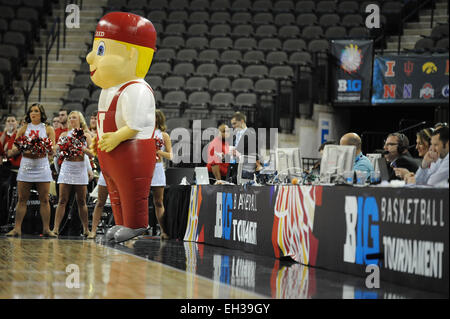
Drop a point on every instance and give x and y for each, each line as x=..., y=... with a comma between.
x=34, y=170
x=73, y=175
x=7, y=141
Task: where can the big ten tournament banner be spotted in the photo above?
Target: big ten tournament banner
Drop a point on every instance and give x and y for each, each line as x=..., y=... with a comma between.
x=275, y=221
x=410, y=79
x=352, y=70
x=404, y=232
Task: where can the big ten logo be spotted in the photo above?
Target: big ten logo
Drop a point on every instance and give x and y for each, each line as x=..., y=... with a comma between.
x=373, y=19
x=349, y=85
x=73, y=17
x=362, y=235
x=224, y=204
x=73, y=279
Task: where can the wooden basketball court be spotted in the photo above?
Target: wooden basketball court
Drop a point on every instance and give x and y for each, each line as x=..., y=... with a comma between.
x=50, y=268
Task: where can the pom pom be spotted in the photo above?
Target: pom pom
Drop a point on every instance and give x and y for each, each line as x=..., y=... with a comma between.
x=71, y=146
x=35, y=145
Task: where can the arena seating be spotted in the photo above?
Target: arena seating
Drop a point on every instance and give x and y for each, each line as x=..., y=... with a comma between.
x=265, y=49
x=20, y=25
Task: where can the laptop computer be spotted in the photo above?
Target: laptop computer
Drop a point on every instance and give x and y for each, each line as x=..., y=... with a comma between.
x=382, y=166
x=201, y=176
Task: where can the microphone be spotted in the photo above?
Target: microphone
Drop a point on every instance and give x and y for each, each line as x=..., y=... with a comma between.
x=384, y=153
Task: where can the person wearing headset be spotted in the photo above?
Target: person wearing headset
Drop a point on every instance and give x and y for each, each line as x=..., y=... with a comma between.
x=397, y=154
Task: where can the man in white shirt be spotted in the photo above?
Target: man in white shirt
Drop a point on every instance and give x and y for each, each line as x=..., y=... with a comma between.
x=434, y=170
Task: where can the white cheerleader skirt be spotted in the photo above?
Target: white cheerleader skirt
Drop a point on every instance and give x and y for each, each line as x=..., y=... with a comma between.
x=73, y=173
x=159, y=176
x=34, y=170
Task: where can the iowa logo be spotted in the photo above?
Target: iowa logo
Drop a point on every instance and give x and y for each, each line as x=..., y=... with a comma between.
x=429, y=68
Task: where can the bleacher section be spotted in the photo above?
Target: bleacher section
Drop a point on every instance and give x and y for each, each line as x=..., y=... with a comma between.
x=265, y=58
x=20, y=24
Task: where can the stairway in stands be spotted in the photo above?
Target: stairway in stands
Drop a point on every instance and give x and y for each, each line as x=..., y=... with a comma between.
x=413, y=30
x=59, y=71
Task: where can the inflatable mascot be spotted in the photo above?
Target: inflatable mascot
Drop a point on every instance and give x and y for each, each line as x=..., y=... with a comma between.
x=121, y=55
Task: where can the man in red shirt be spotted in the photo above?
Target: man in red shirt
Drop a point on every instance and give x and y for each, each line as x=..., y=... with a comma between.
x=63, y=122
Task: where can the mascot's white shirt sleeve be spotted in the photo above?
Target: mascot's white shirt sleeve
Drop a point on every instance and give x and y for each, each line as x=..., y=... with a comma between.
x=135, y=108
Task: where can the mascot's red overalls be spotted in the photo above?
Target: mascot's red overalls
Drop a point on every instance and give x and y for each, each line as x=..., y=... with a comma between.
x=123, y=48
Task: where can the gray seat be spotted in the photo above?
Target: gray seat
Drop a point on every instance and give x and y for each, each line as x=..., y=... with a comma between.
x=265, y=86
x=219, y=84
x=335, y=32
x=173, y=83
x=173, y=99
x=318, y=45
x=291, y=45
x=186, y=55
x=220, y=17
x=269, y=45
x=178, y=4
x=346, y=7
x=284, y=19
x=239, y=18
x=300, y=58
x=157, y=16
x=175, y=42
x=199, y=5
x=155, y=81
x=164, y=55
x=198, y=17
x=208, y=56
x=246, y=100
x=220, y=30
x=231, y=70
x=206, y=70
x=222, y=43
x=230, y=56
x=256, y=71
x=266, y=31
x=305, y=6
x=177, y=16
x=276, y=58
x=197, y=30
x=197, y=43
x=352, y=20
x=329, y=19
x=307, y=19
x=282, y=6
x=184, y=69
x=174, y=29
x=289, y=32
x=220, y=5
x=160, y=68
x=281, y=72
x=253, y=57
x=199, y=100
x=196, y=83
x=241, y=5
x=222, y=100
x=326, y=6
x=312, y=32
x=263, y=18
x=245, y=44
x=242, y=85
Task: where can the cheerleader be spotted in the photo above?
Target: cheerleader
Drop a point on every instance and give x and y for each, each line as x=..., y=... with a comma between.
x=74, y=175
x=159, y=177
x=34, y=169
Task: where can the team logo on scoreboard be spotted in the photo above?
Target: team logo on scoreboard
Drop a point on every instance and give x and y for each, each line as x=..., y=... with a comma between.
x=408, y=67
x=429, y=68
x=445, y=91
x=351, y=58
x=427, y=91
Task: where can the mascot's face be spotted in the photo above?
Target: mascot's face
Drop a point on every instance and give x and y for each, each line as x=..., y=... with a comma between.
x=111, y=63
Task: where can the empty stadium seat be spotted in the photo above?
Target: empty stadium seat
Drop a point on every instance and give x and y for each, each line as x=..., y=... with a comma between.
x=172, y=83
x=242, y=85
x=231, y=70
x=199, y=100
x=185, y=55
x=173, y=99
x=230, y=56
x=219, y=84
x=222, y=100
x=208, y=56
x=196, y=83
x=253, y=57
x=256, y=71
x=206, y=70
x=305, y=6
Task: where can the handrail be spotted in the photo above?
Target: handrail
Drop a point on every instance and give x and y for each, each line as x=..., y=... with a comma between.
x=52, y=36
x=35, y=74
x=404, y=19
x=402, y=22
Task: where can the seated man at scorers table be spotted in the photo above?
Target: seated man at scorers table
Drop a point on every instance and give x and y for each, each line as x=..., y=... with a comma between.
x=362, y=163
x=397, y=154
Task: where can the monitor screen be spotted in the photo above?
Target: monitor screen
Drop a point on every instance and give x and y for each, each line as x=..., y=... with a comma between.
x=246, y=169
x=289, y=162
x=336, y=160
